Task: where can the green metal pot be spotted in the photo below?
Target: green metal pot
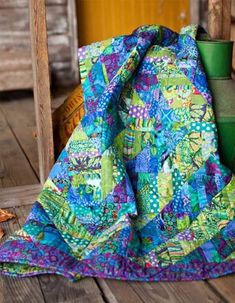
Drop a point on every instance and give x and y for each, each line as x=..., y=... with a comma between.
x=216, y=56
x=223, y=92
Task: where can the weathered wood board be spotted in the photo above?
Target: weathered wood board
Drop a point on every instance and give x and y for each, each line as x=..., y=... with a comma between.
x=15, y=48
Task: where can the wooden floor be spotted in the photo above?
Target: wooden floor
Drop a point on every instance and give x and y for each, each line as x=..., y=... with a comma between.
x=19, y=166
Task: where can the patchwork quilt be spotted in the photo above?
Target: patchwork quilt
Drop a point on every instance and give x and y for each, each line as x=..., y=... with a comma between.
x=138, y=192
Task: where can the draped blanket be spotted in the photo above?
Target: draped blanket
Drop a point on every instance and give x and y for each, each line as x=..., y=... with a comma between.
x=139, y=192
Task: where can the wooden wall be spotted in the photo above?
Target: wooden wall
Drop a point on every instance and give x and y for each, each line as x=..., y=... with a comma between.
x=101, y=19
x=15, y=48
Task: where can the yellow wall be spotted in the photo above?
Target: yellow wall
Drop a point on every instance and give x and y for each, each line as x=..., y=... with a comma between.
x=101, y=19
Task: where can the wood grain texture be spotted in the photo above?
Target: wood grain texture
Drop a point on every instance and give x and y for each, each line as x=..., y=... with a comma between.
x=19, y=195
x=18, y=109
x=194, y=11
x=175, y=292
x=37, y=13
x=10, y=80
x=15, y=43
x=71, y=8
x=225, y=287
x=219, y=19
x=15, y=50
x=119, y=291
x=14, y=167
x=57, y=21
x=18, y=166
x=215, y=18
x=14, y=59
x=226, y=24
x=24, y=3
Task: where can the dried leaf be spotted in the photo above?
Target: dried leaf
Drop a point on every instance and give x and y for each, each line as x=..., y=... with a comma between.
x=1, y=233
x=34, y=133
x=5, y=215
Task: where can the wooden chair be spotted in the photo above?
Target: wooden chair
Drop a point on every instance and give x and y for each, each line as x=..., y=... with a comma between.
x=219, y=24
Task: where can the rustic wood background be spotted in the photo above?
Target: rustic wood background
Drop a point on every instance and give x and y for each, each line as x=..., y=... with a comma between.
x=15, y=52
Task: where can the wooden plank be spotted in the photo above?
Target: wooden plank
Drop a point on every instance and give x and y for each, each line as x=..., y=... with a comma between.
x=15, y=40
x=71, y=8
x=194, y=12
x=59, y=289
x=219, y=19
x=18, y=45
x=21, y=79
x=56, y=20
x=21, y=105
x=119, y=291
x=24, y=3
x=41, y=86
x=59, y=48
x=168, y=292
x=15, y=60
x=215, y=18
x=19, y=195
x=175, y=292
x=14, y=167
x=226, y=25
x=13, y=3
x=18, y=290
x=225, y=287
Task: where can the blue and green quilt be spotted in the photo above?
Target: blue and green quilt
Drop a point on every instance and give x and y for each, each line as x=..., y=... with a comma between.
x=139, y=192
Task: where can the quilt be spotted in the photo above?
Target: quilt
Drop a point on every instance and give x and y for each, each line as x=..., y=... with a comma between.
x=138, y=192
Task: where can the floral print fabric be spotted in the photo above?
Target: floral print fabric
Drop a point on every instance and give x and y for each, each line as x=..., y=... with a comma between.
x=139, y=192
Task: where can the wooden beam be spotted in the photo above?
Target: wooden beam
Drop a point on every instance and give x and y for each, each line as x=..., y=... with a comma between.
x=19, y=195
x=219, y=19
x=194, y=12
x=215, y=18
x=71, y=8
x=227, y=16
x=42, y=99
x=224, y=286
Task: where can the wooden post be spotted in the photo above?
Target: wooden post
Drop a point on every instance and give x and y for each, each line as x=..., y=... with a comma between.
x=194, y=11
x=42, y=99
x=215, y=18
x=227, y=16
x=219, y=19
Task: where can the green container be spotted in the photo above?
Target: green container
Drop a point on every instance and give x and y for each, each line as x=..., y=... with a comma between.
x=223, y=92
x=216, y=56
x=227, y=143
